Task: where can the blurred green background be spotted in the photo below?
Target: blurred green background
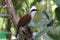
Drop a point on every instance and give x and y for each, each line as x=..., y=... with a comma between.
x=48, y=10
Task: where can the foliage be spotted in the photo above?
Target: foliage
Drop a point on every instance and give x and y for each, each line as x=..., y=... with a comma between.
x=57, y=10
x=42, y=17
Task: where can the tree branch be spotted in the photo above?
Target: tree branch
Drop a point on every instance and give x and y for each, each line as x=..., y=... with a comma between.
x=12, y=12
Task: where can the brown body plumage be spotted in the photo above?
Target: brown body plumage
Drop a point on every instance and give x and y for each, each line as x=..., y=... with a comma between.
x=23, y=22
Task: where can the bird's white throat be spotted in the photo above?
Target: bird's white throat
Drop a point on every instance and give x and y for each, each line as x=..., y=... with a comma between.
x=33, y=14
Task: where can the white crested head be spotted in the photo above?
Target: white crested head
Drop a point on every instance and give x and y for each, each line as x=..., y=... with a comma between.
x=33, y=7
x=33, y=11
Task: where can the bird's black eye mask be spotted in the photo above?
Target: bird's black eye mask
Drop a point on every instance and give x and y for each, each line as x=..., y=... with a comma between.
x=34, y=10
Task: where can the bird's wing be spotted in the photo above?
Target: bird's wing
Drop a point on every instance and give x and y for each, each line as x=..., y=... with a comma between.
x=23, y=22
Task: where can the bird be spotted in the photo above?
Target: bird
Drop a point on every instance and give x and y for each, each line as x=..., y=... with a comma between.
x=27, y=18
